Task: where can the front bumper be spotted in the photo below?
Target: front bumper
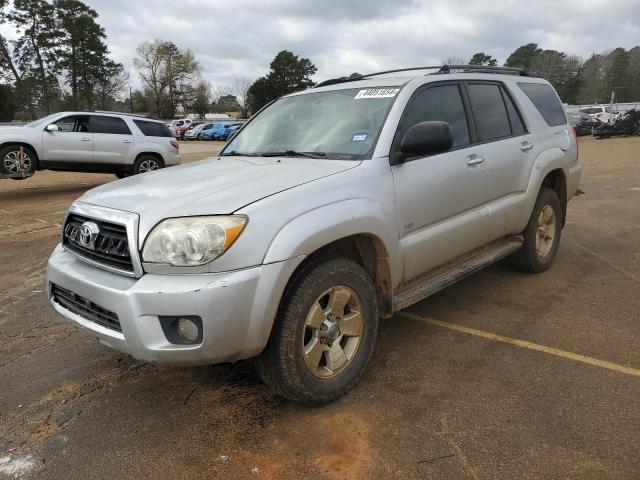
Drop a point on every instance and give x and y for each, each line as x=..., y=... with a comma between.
x=237, y=308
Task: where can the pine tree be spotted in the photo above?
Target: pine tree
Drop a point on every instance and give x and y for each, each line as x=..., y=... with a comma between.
x=37, y=48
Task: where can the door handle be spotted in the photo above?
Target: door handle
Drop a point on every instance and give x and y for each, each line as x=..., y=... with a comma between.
x=474, y=159
x=127, y=141
x=86, y=139
x=526, y=146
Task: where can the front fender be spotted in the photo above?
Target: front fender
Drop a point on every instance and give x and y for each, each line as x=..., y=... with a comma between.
x=32, y=143
x=316, y=228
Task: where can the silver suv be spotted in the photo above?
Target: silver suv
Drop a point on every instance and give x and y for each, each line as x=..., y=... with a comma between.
x=331, y=208
x=87, y=142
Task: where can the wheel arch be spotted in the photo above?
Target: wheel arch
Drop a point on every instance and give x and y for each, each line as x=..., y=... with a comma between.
x=17, y=143
x=353, y=228
x=150, y=153
x=369, y=252
x=556, y=180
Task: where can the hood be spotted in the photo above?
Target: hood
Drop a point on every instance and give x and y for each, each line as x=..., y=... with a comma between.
x=212, y=186
x=11, y=129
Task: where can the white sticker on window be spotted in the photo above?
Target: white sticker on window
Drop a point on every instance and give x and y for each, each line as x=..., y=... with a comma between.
x=359, y=138
x=377, y=93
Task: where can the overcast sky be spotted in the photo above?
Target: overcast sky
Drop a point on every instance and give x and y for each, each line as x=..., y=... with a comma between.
x=239, y=38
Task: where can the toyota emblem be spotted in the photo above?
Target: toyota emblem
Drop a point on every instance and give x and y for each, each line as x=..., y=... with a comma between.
x=88, y=234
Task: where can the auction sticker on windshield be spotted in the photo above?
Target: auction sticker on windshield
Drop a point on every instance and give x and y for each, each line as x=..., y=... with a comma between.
x=376, y=93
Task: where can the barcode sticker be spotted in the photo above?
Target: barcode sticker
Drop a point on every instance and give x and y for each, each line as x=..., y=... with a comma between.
x=377, y=93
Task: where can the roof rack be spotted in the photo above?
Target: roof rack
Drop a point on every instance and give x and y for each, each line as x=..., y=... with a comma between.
x=441, y=69
x=118, y=113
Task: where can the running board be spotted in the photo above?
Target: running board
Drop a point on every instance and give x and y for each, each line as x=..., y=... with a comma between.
x=448, y=274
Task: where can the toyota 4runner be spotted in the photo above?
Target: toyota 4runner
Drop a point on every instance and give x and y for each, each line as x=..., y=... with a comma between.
x=331, y=208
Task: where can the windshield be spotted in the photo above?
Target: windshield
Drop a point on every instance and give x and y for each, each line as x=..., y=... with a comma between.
x=338, y=124
x=43, y=121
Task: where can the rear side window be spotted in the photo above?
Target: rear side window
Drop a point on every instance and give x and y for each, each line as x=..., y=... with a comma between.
x=517, y=127
x=153, y=129
x=546, y=101
x=442, y=103
x=489, y=111
x=113, y=125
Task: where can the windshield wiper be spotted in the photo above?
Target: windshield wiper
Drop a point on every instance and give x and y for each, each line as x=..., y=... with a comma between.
x=293, y=153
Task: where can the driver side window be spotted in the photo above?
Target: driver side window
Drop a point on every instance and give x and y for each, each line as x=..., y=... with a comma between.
x=74, y=123
x=439, y=103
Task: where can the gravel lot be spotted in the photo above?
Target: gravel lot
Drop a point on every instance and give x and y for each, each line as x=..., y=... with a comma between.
x=453, y=391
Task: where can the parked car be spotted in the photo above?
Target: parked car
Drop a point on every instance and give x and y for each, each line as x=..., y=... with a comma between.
x=88, y=142
x=293, y=242
x=213, y=132
x=204, y=131
x=178, y=124
x=582, y=122
x=192, y=133
x=229, y=131
x=601, y=113
x=181, y=131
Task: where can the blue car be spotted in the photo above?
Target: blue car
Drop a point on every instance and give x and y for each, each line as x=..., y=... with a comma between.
x=229, y=131
x=200, y=135
x=214, y=131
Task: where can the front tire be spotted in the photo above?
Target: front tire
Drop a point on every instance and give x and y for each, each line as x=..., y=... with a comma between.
x=10, y=161
x=542, y=234
x=324, y=334
x=147, y=163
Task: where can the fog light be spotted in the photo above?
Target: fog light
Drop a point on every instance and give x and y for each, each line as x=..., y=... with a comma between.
x=188, y=329
x=183, y=329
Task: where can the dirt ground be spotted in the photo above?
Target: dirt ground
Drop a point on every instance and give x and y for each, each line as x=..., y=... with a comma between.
x=504, y=375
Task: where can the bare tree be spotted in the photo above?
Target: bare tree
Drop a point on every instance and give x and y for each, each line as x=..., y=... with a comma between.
x=166, y=71
x=220, y=91
x=241, y=88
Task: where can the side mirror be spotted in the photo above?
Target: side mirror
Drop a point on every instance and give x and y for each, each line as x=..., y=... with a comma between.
x=427, y=138
x=51, y=128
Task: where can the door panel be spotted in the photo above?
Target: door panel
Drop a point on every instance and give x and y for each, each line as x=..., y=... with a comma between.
x=112, y=142
x=113, y=149
x=440, y=208
x=508, y=149
x=440, y=198
x=71, y=143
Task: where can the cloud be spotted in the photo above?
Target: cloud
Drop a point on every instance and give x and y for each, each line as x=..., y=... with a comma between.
x=240, y=38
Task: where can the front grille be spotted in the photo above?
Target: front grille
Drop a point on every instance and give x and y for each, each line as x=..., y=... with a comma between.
x=85, y=308
x=110, y=247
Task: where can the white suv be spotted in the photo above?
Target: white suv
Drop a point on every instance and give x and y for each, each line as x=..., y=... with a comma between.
x=87, y=142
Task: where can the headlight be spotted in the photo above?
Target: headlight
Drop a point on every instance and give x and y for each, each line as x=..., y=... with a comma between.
x=191, y=241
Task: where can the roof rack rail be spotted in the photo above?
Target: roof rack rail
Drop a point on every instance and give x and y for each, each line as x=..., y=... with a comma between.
x=118, y=113
x=441, y=69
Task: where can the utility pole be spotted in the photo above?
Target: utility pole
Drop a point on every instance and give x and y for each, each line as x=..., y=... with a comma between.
x=130, y=99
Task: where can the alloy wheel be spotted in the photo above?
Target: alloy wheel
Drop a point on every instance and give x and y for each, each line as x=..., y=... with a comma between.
x=333, y=331
x=149, y=165
x=11, y=162
x=546, y=232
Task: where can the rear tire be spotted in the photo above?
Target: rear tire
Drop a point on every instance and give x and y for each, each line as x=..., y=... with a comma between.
x=542, y=234
x=147, y=163
x=9, y=161
x=324, y=334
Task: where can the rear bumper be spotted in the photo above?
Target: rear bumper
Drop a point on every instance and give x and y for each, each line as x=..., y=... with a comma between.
x=172, y=158
x=237, y=308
